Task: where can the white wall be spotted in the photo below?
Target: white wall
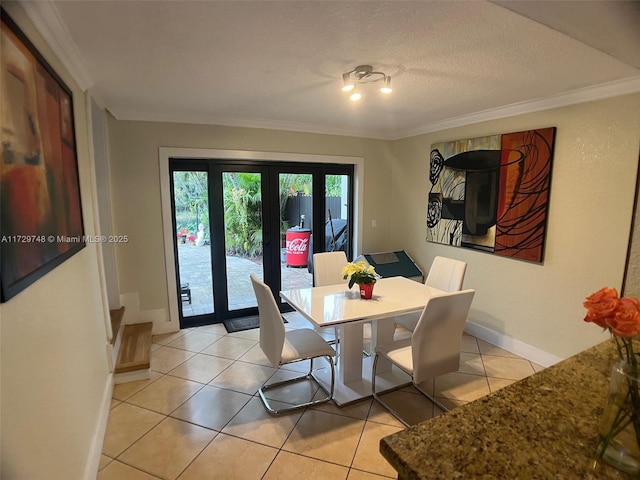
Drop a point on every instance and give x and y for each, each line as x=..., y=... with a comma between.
x=592, y=191
x=103, y=194
x=53, y=368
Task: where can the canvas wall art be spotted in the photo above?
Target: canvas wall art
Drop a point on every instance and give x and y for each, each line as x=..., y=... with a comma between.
x=492, y=193
x=40, y=211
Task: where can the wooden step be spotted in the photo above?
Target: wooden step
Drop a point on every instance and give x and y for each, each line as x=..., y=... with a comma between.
x=135, y=349
x=116, y=321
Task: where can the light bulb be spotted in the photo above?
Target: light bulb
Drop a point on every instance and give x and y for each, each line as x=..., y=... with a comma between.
x=347, y=83
x=386, y=87
x=355, y=96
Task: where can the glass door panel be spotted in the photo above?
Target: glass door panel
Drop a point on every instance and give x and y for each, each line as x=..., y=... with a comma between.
x=296, y=221
x=191, y=218
x=337, y=210
x=236, y=219
x=243, y=229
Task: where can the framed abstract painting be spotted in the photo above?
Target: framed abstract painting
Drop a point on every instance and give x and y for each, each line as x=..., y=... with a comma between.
x=41, y=222
x=492, y=193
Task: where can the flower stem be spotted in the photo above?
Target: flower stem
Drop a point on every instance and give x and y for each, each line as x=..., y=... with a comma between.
x=629, y=410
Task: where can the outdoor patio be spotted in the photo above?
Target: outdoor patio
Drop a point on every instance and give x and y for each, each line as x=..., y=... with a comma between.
x=195, y=269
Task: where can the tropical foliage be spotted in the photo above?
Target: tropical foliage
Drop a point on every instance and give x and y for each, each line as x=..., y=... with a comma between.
x=191, y=200
x=242, y=213
x=242, y=205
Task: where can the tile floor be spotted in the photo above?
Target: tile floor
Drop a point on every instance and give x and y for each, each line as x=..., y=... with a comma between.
x=199, y=416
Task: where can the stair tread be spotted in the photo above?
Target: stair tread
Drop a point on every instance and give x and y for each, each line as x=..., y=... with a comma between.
x=116, y=321
x=135, y=350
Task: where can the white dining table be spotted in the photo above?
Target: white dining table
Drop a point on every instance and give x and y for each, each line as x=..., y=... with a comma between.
x=341, y=307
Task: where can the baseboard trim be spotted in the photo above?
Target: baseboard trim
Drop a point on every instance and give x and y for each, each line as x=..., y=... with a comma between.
x=517, y=347
x=126, y=377
x=95, y=452
x=164, y=326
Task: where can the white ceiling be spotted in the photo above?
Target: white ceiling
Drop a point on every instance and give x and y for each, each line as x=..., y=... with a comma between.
x=278, y=64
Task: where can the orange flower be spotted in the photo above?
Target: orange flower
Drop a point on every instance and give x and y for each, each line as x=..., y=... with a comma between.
x=626, y=321
x=601, y=306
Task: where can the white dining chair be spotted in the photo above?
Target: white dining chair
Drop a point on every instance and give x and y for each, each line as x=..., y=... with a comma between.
x=282, y=347
x=434, y=346
x=446, y=274
x=327, y=268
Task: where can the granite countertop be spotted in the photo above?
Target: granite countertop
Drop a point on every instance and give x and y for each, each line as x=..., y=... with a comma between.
x=544, y=426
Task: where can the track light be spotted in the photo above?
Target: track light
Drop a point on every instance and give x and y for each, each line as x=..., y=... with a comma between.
x=386, y=87
x=347, y=83
x=364, y=74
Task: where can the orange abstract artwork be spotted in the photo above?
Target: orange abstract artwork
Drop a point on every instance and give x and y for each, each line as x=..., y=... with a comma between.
x=41, y=217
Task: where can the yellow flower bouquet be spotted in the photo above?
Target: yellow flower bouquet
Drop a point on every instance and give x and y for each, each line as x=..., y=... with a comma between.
x=360, y=273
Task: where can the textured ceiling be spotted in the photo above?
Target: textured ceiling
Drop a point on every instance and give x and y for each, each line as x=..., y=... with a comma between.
x=279, y=64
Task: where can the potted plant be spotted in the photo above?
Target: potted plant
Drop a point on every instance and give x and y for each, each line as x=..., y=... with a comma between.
x=363, y=274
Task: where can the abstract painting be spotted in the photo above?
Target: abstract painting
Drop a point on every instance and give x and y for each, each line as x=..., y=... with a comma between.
x=40, y=211
x=492, y=193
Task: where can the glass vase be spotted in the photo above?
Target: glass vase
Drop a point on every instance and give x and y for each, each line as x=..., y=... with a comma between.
x=620, y=426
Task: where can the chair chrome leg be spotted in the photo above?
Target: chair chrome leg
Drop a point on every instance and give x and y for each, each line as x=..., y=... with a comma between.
x=440, y=405
x=308, y=376
x=377, y=397
x=387, y=406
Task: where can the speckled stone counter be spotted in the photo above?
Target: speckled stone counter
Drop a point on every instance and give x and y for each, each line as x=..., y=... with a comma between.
x=542, y=427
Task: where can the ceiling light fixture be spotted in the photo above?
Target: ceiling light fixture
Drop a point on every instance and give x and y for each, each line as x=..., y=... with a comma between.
x=364, y=74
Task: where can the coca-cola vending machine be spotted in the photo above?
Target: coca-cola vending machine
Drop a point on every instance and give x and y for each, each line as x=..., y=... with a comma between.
x=297, y=246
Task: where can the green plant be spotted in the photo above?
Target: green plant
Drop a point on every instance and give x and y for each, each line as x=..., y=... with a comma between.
x=190, y=193
x=333, y=185
x=242, y=214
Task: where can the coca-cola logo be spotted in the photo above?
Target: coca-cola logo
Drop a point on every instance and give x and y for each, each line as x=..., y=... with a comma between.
x=297, y=245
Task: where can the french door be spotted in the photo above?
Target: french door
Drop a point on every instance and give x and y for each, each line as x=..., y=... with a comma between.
x=233, y=219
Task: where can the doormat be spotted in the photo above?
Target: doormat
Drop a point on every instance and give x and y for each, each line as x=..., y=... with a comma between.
x=243, y=323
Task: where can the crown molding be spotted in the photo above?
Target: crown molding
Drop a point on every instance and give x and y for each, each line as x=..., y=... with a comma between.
x=251, y=123
x=47, y=21
x=583, y=95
